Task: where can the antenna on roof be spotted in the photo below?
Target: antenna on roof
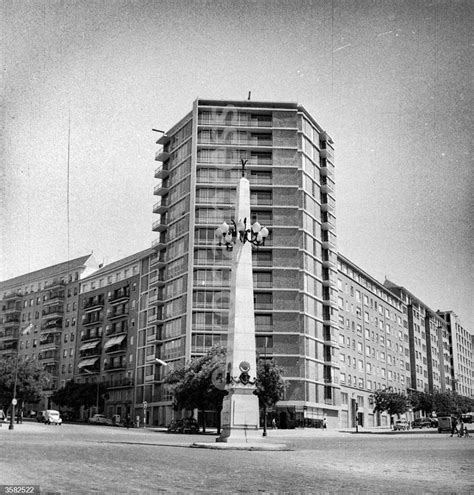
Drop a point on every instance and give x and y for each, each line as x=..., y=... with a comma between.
x=250, y=94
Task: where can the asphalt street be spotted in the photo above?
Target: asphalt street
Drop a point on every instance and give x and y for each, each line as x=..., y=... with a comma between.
x=79, y=458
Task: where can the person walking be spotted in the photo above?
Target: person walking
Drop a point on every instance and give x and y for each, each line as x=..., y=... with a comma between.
x=325, y=423
x=454, y=428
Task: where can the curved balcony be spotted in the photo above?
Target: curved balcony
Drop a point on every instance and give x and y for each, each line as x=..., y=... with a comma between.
x=162, y=156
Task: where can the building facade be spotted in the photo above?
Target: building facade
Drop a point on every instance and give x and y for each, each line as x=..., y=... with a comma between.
x=374, y=344
x=289, y=161
x=108, y=333
x=430, y=363
x=459, y=341
x=39, y=317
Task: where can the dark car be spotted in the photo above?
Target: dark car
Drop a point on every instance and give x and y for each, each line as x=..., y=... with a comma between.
x=421, y=423
x=183, y=426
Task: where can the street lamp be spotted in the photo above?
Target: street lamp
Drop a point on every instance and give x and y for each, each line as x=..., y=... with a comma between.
x=255, y=233
x=97, y=393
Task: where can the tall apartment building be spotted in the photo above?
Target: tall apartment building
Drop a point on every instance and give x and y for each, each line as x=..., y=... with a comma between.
x=460, y=350
x=290, y=166
x=374, y=344
x=38, y=317
x=108, y=333
x=430, y=363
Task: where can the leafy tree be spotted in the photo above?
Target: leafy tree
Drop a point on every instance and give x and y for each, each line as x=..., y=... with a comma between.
x=193, y=386
x=270, y=387
x=31, y=380
x=447, y=403
x=421, y=401
x=392, y=402
x=75, y=395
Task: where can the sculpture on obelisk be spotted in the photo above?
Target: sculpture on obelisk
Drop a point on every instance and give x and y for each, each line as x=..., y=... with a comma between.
x=240, y=411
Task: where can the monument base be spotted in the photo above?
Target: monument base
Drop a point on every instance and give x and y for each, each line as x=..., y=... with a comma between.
x=239, y=416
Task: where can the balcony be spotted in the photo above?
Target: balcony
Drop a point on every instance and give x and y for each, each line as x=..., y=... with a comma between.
x=92, y=321
x=162, y=156
x=11, y=310
x=12, y=322
x=94, y=303
x=326, y=153
x=159, y=225
x=116, y=344
x=55, y=284
x=158, y=245
x=113, y=315
x=223, y=122
x=327, y=169
x=120, y=295
x=161, y=206
x=163, y=139
x=52, y=312
x=52, y=326
x=48, y=357
x=116, y=366
x=161, y=172
x=13, y=296
x=328, y=245
x=327, y=188
x=89, y=362
x=119, y=383
x=90, y=349
x=160, y=190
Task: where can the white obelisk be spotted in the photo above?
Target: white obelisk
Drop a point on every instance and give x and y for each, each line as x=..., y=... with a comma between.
x=240, y=412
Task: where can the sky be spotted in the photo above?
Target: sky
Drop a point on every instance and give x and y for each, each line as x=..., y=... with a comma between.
x=389, y=80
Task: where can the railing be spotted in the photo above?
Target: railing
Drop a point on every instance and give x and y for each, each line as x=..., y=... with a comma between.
x=235, y=122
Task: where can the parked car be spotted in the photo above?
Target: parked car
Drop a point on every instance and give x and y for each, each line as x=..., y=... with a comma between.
x=183, y=426
x=51, y=416
x=100, y=419
x=401, y=425
x=421, y=423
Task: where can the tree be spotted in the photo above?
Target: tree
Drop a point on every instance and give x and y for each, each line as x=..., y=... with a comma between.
x=75, y=395
x=421, y=401
x=31, y=380
x=270, y=387
x=392, y=402
x=447, y=403
x=193, y=386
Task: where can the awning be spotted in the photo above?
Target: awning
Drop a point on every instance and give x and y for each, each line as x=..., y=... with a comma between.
x=89, y=345
x=114, y=341
x=87, y=362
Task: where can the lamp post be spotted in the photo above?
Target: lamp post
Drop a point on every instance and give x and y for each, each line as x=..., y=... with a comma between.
x=97, y=390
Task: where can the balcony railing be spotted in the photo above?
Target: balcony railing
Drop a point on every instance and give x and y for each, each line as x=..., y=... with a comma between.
x=235, y=122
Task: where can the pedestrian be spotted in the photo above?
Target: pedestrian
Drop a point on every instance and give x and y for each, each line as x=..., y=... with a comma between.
x=466, y=432
x=325, y=423
x=453, y=426
x=274, y=424
x=460, y=428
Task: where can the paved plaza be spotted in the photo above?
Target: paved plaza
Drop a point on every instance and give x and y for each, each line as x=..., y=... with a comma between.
x=75, y=458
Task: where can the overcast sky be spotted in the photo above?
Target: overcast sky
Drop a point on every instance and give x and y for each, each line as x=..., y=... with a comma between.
x=389, y=80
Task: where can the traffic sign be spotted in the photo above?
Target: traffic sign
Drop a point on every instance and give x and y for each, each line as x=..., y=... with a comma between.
x=14, y=402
